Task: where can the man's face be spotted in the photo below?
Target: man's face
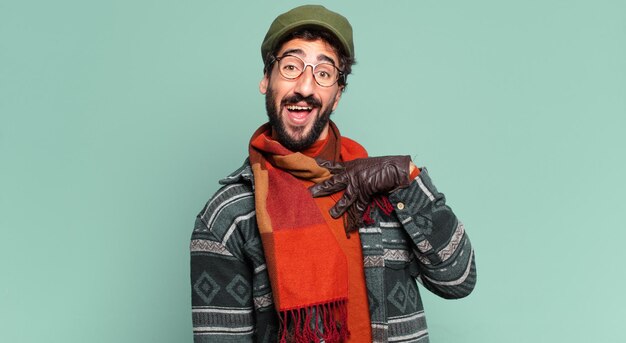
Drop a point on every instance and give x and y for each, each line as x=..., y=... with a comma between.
x=299, y=109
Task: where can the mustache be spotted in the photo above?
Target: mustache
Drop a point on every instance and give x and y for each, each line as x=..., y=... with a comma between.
x=310, y=100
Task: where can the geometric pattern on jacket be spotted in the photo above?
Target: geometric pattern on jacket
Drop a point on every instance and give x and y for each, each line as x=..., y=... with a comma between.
x=422, y=240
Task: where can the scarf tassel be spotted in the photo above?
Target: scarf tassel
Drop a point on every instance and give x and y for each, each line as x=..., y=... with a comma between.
x=383, y=203
x=353, y=219
x=327, y=322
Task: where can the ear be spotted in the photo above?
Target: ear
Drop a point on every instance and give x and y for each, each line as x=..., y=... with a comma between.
x=263, y=84
x=337, y=97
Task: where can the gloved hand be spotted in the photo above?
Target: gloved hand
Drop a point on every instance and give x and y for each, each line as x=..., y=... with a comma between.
x=362, y=179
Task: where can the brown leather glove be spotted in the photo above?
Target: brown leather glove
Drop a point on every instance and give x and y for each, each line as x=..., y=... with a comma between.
x=362, y=179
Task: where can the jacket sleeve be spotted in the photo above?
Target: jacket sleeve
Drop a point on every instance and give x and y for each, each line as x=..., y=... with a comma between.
x=229, y=303
x=444, y=252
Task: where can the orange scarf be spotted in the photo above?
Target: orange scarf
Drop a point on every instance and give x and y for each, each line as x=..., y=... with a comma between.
x=307, y=268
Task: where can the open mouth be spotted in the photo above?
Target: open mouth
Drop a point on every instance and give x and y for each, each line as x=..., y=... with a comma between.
x=299, y=114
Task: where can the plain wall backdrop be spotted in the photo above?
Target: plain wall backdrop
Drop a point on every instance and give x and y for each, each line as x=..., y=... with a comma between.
x=117, y=118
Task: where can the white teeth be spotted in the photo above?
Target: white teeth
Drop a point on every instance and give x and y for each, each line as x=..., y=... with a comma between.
x=299, y=108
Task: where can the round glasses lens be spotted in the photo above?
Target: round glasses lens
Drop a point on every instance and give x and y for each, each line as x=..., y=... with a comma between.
x=291, y=67
x=326, y=74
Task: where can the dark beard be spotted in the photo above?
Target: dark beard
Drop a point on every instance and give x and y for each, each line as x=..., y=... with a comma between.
x=280, y=130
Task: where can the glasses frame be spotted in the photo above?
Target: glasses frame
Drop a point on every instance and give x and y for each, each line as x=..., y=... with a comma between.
x=340, y=75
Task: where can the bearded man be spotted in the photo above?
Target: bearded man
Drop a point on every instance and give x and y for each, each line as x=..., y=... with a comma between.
x=311, y=240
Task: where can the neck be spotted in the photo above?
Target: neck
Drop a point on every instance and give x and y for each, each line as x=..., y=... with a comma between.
x=324, y=133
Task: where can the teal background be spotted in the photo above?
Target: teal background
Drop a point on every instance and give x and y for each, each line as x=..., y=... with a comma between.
x=117, y=118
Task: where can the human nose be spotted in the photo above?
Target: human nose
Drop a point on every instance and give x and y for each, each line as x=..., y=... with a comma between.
x=306, y=82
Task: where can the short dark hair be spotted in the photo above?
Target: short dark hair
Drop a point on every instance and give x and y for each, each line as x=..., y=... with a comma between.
x=311, y=34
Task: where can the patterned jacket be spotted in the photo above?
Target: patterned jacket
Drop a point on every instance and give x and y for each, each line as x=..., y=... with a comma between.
x=422, y=240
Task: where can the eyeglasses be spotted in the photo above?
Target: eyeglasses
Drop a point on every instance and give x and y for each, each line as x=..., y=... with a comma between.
x=324, y=73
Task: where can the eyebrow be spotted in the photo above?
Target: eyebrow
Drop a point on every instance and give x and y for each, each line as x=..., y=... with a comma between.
x=320, y=57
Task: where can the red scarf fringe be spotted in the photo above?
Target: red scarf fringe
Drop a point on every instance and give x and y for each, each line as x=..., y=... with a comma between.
x=303, y=325
x=381, y=202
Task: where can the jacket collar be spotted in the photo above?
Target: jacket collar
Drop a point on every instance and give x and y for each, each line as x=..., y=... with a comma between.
x=243, y=174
